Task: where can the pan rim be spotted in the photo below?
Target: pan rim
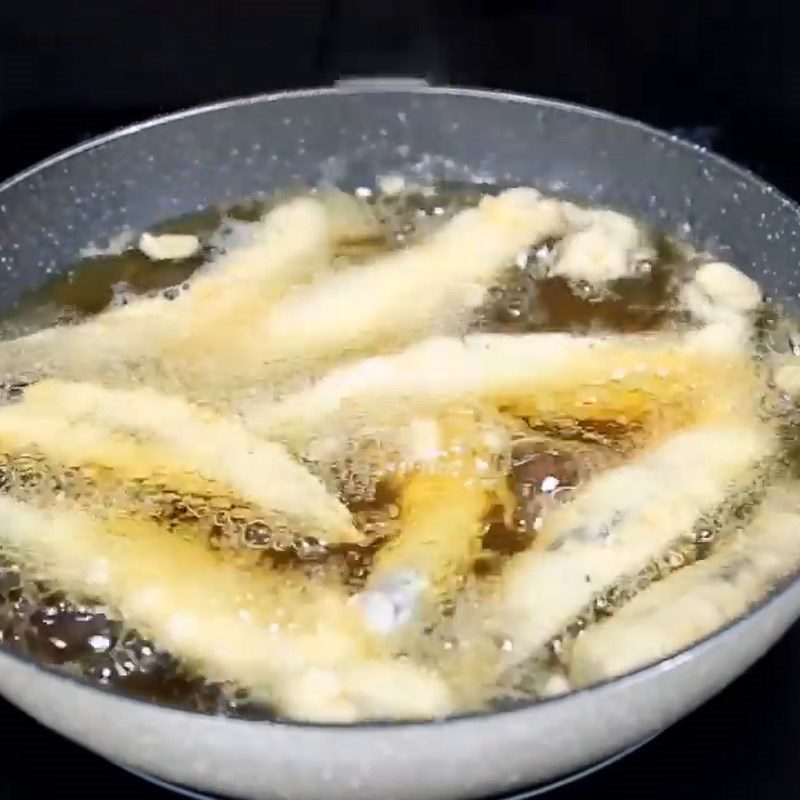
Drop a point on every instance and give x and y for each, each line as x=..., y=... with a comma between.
x=635, y=676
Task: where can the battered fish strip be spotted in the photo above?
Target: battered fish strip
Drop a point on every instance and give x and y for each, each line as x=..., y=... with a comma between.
x=227, y=623
x=216, y=448
x=77, y=444
x=694, y=602
x=440, y=535
x=97, y=468
x=397, y=297
x=406, y=293
x=622, y=521
x=443, y=502
x=289, y=245
x=662, y=381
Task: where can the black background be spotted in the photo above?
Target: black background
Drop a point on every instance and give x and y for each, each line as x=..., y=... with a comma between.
x=728, y=75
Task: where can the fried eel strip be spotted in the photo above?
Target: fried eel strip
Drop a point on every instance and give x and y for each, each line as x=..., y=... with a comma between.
x=443, y=502
x=622, y=521
x=692, y=603
x=660, y=382
x=75, y=423
x=440, y=535
x=407, y=293
x=288, y=246
x=228, y=623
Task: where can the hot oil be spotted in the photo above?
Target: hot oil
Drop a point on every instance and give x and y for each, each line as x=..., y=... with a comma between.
x=101, y=278
x=85, y=638
x=89, y=640
x=92, y=641
x=530, y=301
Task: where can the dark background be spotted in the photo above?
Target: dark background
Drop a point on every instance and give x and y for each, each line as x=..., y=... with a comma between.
x=727, y=75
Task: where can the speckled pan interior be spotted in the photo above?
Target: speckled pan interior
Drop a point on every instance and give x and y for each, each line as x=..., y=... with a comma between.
x=209, y=156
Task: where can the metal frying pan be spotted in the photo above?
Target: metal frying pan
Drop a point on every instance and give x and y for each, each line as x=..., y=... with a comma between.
x=348, y=135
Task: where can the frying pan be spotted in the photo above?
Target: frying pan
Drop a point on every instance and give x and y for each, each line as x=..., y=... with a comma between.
x=347, y=135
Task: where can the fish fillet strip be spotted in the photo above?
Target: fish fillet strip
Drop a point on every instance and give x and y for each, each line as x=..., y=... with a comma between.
x=289, y=245
x=229, y=623
x=200, y=442
x=623, y=520
x=549, y=376
x=406, y=293
x=100, y=468
x=695, y=601
x=443, y=502
x=397, y=297
x=73, y=444
x=440, y=534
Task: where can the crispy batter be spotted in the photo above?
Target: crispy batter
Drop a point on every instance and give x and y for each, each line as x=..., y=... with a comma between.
x=178, y=340
x=620, y=522
x=661, y=381
x=405, y=294
x=692, y=603
x=434, y=422
x=190, y=441
x=229, y=623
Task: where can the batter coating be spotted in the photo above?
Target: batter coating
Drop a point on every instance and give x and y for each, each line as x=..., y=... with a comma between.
x=685, y=607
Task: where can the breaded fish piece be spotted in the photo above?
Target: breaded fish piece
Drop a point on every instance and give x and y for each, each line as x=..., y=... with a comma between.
x=228, y=623
x=661, y=381
x=718, y=292
x=623, y=520
x=692, y=603
x=601, y=246
x=195, y=441
x=286, y=248
x=407, y=293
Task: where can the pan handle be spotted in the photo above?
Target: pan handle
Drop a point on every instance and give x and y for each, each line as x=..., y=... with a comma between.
x=380, y=83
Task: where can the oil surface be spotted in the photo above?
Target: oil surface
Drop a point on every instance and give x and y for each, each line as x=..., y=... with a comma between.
x=86, y=638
